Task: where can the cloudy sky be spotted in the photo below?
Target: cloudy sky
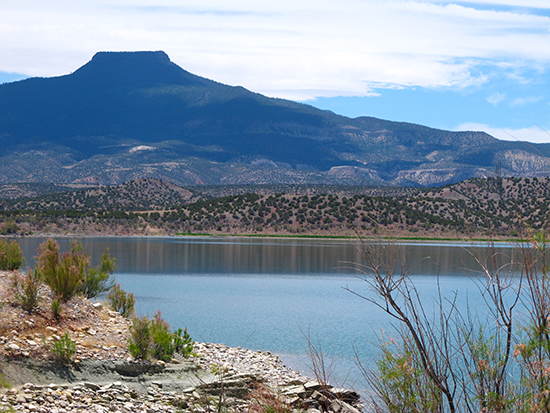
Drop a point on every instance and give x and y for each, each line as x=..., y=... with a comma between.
x=457, y=65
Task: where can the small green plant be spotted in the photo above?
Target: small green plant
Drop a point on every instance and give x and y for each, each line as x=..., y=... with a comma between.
x=162, y=347
x=26, y=289
x=215, y=369
x=153, y=338
x=182, y=341
x=121, y=301
x=140, y=338
x=96, y=280
x=57, y=308
x=63, y=349
x=4, y=382
x=399, y=381
x=11, y=256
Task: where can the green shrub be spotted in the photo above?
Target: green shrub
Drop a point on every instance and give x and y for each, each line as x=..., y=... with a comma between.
x=4, y=382
x=121, y=301
x=48, y=259
x=96, y=280
x=64, y=274
x=183, y=344
x=63, y=349
x=140, y=338
x=9, y=227
x=69, y=274
x=399, y=381
x=162, y=347
x=11, y=256
x=57, y=308
x=153, y=338
x=26, y=289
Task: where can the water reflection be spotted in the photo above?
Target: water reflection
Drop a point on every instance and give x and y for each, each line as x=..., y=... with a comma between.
x=264, y=256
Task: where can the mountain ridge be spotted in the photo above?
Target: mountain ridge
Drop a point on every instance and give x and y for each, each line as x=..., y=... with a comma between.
x=85, y=126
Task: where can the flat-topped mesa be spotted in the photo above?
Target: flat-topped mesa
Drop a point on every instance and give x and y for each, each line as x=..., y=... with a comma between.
x=138, y=69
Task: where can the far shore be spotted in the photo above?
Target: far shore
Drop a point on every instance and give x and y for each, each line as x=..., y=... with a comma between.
x=342, y=237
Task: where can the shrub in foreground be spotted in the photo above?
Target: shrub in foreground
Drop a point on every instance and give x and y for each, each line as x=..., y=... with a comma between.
x=450, y=360
x=25, y=289
x=140, y=338
x=11, y=256
x=119, y=300
x=63, y=273
x=183, y=343
x=97, y=280
x=162, y=347
x=265, y=400
x=152, y=338
x=70, y=273
x=63, y=349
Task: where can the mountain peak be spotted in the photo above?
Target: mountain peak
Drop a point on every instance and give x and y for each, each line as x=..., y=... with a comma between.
x=135, y=57
x=207, y=132
x=142, y=68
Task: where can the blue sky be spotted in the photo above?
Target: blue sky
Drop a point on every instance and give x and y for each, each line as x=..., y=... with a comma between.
x=457, y=65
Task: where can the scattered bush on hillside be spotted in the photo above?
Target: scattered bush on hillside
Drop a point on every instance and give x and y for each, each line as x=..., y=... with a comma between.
x=65, y=273
x=140, y=338
x=97, y=280
x=152, y=338
x=70, y=274
x=162, y=347
x=57, y=308
x=183, y=344
x=63, y=349
x=11, y=256
x=9, y=228
x=26, y=288
x=119, y=300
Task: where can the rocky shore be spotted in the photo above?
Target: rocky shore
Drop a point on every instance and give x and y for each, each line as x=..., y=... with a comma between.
x=103, y=377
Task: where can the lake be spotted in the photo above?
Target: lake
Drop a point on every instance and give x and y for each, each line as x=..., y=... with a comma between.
x=269, y=294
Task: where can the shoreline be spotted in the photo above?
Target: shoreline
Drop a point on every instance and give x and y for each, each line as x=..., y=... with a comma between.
x=103, y=377
x=399, y=240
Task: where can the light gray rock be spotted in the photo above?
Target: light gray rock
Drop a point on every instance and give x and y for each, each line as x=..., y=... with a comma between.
x=92, y=386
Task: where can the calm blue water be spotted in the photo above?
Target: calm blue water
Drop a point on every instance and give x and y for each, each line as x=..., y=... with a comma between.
x=268, y=294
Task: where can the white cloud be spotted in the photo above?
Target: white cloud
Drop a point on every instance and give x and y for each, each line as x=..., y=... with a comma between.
x=525, y=101
x=541, y=4
x=293, y=49
x=496, y=98
x=534, y=134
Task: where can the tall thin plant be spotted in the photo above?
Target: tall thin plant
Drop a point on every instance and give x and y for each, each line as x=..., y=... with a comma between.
x=445, y=360
x=69, y=274
x=121, y=301
x=97, y=279
x=11, y=255
x=63, y=273
x=26, y=289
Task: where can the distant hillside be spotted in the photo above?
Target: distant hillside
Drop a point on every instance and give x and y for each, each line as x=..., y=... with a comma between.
x=130, y=115
x=142, y=194
x=29, y=190
x=496, y=207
